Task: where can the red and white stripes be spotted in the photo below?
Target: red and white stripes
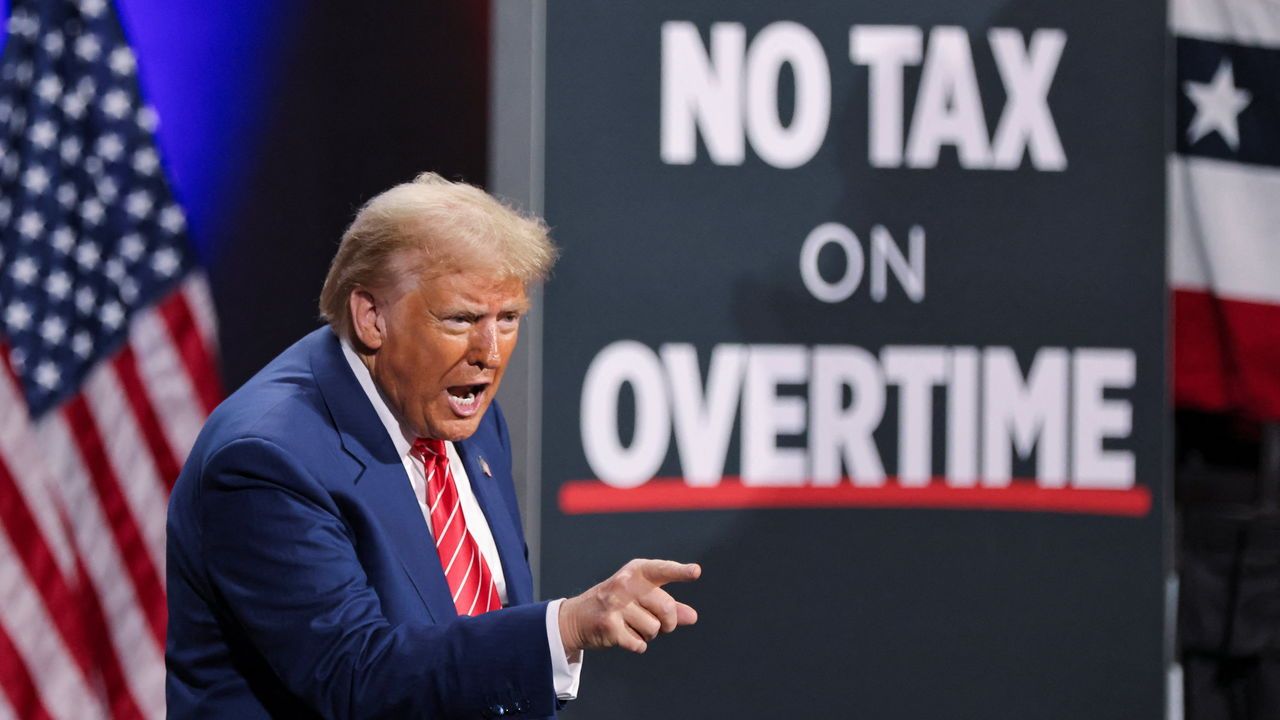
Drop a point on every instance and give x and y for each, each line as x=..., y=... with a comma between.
x=83, y=494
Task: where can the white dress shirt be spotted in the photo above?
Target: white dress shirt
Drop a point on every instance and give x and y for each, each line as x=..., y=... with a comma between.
x=564, y=673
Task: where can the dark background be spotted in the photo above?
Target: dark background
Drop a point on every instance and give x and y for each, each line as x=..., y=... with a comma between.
x=865, y=613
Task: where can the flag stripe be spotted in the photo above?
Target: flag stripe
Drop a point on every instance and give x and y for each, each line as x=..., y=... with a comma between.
x=117, y=616
x=32, y=487
x=18, y=685
x=1205, y=197
x=199, y=298
x=64, y=684
x=1255, y=23
x=166, y=463
x=126, y=453
x=185, y=335
x=59, y=600
x=122, y=525
x=1228, y=354
x=126, y=365
x=119, y=693
x=6, y=710
x=165, y=381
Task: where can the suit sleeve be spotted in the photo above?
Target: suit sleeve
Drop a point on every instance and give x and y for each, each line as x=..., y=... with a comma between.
x=282, y=562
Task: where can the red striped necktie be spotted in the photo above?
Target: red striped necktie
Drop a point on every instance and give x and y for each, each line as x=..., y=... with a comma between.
x=470, y=579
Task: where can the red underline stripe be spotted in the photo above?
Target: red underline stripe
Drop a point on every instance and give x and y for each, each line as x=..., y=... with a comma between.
x=587, y=497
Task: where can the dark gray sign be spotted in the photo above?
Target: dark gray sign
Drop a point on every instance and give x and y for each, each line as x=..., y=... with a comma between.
x=862, y=308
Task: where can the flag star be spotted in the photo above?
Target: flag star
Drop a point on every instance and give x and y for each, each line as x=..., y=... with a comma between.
x=172, y=219
x=92, y=8
x=67, y=195
x=24, y=25
x=131, y=247
x=17, y=120
x=138, y=204
x=88, y=47
x=36, y=179
x=24, y=271
x=86, y=300
x=116, y=104
x=73, y=104
x=146, y=161
x=53, y=43
x=1218, y=106
x=82, y=344
x=108, y=190
x=19, y=359
x=17, y=316
x=93, y=165
x=43, y=134
x=148, y=119
x=49, y=88
x=63, y=240
x=87, y=255
x=58, y=285
x=5, y=109
x=53, y=329
x=110, y=147
x=10, y=167
x=47, y=375
x=122, y=61
x=112, y=314
x=23, y=73
x=114, y=270
x=70, y=150
x=6, y=210
x=165, y=262
x=129, y=290
x=30, y=224
x=92, y=211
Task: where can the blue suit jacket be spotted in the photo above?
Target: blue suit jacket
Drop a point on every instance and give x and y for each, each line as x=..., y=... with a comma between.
x=302, y=576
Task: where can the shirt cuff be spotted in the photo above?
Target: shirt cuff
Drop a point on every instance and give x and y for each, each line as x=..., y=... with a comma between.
x=565, y=675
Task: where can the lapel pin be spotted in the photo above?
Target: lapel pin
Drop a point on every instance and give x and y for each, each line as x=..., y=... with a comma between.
x=484, y=467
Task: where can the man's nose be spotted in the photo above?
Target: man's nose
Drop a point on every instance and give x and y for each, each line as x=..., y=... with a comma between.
x=484, y=346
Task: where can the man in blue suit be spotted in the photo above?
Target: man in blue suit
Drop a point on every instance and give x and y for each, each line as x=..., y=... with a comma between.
x=344, y=540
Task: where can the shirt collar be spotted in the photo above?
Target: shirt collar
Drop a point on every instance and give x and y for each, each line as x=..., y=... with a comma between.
x=403, y=440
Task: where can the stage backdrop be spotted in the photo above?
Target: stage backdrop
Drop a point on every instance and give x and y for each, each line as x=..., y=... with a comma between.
x=861, y=307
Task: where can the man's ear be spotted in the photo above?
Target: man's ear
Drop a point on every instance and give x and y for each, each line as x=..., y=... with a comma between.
x=366, y=318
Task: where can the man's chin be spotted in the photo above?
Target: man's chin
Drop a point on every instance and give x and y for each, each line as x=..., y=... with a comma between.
x=456, y=429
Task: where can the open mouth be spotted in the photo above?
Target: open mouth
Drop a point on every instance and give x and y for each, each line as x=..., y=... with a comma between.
x=465, y=399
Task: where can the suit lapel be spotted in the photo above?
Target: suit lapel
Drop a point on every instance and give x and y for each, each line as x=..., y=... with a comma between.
x=510, y=544
x=382, y=485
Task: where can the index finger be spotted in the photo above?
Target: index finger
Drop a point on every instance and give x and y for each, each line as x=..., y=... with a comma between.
x=661, y=572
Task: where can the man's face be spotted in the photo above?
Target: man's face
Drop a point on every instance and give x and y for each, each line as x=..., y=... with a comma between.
x=444, y=347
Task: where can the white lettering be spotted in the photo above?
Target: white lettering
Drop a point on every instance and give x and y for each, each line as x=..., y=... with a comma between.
x=948, y=106
x=625, y=361
x=703, y=424
x=837, y=432
x=787, y=146
x=704, y=90
x=1019, y=415
x=916, y=370
x=1026, y=123
x=885, y=50
x=1096, y=418
x=766, y=415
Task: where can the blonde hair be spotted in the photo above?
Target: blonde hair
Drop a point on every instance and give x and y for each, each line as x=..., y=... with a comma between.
x=448, y=226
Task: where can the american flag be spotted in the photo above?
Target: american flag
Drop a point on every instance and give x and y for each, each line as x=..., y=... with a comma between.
x=108, y=337
x=1224, y=185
